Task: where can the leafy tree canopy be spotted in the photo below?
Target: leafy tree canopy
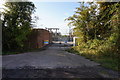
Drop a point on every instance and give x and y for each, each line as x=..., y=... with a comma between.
x=98, y=28
x=16, y=24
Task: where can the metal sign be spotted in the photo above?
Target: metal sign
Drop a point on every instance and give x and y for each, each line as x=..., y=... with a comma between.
x=46, y=41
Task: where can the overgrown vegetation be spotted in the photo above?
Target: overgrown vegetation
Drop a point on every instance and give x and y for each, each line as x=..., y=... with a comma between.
x=105, y=61
x=97, y=26
x=16, y=25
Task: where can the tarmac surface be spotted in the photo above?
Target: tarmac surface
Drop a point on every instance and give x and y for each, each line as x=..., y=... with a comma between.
x=54, y=62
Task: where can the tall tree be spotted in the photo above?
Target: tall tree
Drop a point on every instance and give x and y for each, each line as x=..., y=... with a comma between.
x=109, y=16
x=98, y=27
x=16, y=24
x=84, y=21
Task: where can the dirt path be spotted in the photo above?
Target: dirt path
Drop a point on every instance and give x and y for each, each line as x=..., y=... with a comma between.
x=53, y=62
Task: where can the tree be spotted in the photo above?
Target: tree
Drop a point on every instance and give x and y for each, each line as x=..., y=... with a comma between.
x=98, y=28
x=16, y=24
x=84, y=21
x=109, y=15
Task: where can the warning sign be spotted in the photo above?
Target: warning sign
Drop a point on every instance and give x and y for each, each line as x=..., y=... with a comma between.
x=46, y=41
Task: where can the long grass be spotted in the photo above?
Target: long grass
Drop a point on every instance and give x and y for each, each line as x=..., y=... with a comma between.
x=105, y=61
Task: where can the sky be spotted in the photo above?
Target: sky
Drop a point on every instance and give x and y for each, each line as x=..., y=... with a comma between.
x=1, y=5
x=53, y=14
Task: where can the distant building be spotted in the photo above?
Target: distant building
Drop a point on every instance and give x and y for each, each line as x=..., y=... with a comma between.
x=39, y=38
x=55, y=35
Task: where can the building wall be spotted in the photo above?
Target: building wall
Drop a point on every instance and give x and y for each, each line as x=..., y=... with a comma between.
x=37, y=37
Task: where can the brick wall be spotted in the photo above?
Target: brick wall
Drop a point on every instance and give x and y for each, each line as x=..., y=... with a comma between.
x=37, y=37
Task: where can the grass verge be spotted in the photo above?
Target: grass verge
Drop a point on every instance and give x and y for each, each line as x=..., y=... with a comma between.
x=105, y=61
x=21, y=51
